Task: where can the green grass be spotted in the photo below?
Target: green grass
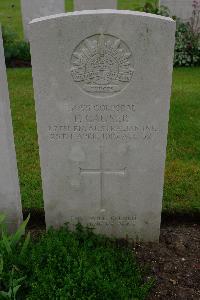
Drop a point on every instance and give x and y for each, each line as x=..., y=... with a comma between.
x=67, y=265
x=132, y=4
x=10, y=12
x=10, y=15
x=23, y=113
x=182, y=178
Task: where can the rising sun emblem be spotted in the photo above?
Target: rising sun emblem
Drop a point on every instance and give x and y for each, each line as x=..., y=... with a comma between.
x=102, y=65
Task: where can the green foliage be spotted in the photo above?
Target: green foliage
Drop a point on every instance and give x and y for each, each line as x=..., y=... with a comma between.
x=131, y=4
x=9, y=242
x=68, y=265
x=81, y=265
x=154, y=8
x=187, y=47
x=15, y=49
x=14, y=286
x=12, y=248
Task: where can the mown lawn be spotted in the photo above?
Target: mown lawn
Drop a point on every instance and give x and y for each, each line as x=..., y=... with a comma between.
x=10, y=15
x=23, y=113
x=10, y=12
x=182, y=177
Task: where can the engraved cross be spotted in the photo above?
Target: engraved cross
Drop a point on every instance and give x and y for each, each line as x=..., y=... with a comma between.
x=102, y=171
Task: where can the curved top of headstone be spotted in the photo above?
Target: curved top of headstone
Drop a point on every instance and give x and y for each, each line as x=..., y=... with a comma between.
x=101, y=12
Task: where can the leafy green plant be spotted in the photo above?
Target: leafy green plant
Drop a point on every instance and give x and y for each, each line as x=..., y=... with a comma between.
x=62, y=264
x=15, y=50
x=14, y=286
x=9, y=242
x=187, y=47
x=154, y=8
x=81, y=265
x=11, y=246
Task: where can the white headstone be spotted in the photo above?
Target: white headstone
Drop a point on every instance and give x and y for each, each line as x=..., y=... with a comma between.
x=179, y=8
x=32, y=9
x=94, y=4
x=102, y=84
x=10, y=202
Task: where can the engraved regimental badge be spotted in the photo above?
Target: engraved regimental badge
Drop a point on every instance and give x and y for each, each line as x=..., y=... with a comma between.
x=102, y=65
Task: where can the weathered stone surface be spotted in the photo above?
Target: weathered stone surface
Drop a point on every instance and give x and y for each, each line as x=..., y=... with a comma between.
x=10, y=202
x=32, y=9
x=102, y=84
x=94, y=4
x=179, y=8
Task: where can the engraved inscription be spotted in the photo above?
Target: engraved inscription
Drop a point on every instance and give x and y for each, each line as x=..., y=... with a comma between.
x=102, y=65
x=104, y=133
x=100, y=122
x=116, y=123
x=97, y=221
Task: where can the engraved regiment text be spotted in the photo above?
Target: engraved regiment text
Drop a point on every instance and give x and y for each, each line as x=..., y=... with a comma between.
x=101, y=122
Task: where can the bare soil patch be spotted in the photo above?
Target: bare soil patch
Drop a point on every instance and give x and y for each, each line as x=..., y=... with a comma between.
x=174, y=262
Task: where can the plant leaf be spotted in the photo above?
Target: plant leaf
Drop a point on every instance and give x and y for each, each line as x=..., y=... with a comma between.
x=15, y=289
x=20, y=232
x=4, y=294
x=1, y=264
x=17, y=281
x=6, y=243
x=25, y=244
